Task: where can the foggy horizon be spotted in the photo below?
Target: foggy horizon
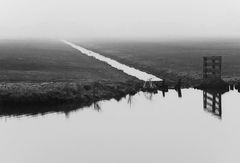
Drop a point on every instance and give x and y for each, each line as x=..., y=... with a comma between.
x=155, y=19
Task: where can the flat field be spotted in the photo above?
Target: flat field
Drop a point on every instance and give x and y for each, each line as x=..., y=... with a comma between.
x=45, y=61
x=172, y=60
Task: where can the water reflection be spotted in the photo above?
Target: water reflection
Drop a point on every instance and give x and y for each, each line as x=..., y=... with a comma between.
x=148, y=95
x=130, y=100
x=169, y=127
x=212, y=102
x=97, y=106
x=35, y=110
x=179, y=91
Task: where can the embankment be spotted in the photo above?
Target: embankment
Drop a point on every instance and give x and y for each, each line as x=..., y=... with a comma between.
x=61, y=92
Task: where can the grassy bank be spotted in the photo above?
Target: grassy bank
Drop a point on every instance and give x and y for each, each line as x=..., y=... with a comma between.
x=16, y=98
x=51, y=61
x=36, y=73
x=59, y=92
x=173, y=60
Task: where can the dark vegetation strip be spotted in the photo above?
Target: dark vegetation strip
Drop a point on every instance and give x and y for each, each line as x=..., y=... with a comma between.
x=37, y=76
x=40, y=98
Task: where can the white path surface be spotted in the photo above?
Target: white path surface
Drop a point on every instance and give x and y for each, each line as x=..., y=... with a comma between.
x=126, y=69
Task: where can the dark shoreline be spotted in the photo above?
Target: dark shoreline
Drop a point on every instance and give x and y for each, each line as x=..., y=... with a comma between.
x=22, y=98
x=40, y=98
x=32, y=99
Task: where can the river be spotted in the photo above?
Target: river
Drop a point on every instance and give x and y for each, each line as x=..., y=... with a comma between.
x=140, y=128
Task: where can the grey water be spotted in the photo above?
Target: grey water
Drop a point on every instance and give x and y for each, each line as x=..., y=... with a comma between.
x=193, y=126
x=115, y=64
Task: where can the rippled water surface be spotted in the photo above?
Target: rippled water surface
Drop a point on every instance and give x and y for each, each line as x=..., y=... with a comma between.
x=142, y=128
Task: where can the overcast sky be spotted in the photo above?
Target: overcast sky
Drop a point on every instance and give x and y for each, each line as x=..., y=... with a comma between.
x=119, y=18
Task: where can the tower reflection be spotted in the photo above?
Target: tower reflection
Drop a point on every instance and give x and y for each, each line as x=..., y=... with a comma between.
x=212, y=102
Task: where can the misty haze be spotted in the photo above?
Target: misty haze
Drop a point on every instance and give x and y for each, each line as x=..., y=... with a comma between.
x=119, y=81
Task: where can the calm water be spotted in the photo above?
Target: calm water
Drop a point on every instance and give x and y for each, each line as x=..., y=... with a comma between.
x=126, y=69
x=139, y=129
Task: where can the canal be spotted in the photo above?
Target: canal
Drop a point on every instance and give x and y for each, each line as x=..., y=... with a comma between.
x=141, y=128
